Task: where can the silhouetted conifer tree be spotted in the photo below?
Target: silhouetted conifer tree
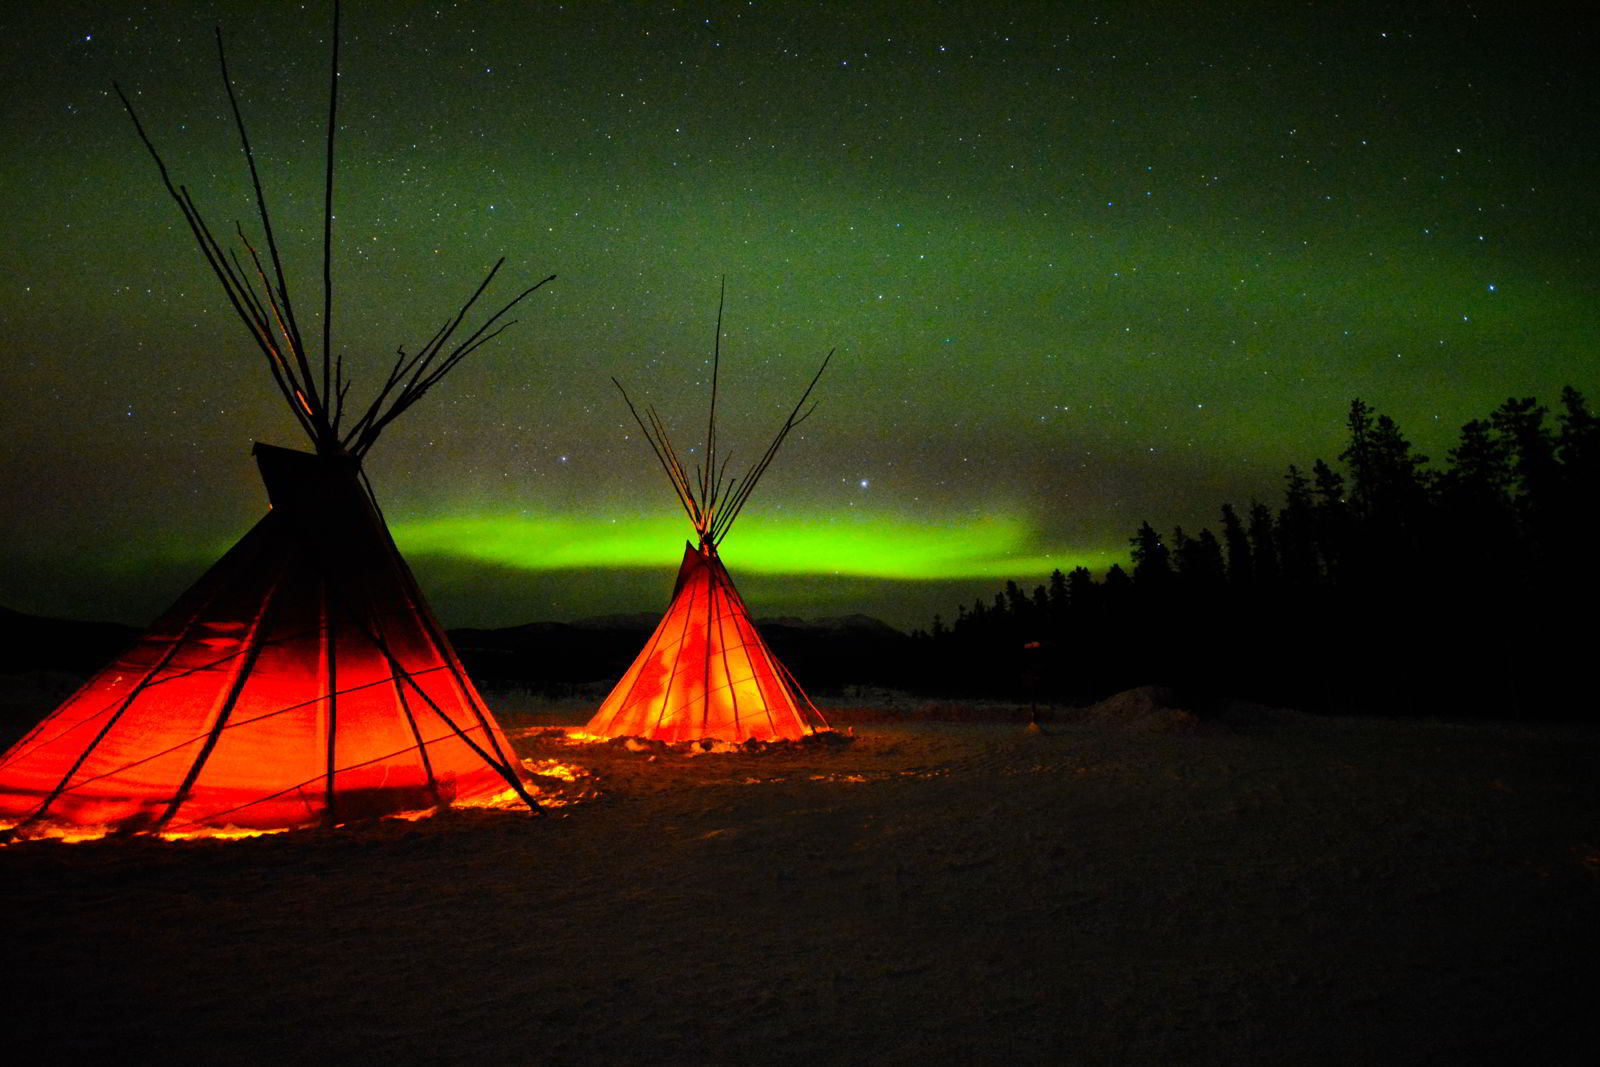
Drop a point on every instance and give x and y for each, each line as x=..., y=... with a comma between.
x=1476, y=511
x=1117, y=583
x=1199, y=566
x=1263, y=549
x=1579, y=439
x=1296, y=533
x=1060, y=599
x=1480, y=470
x=1399, y=483
x=1578, y=448
x=1180, y=543
x=1081, y=590
x=1238, y=546
x=1331, y=517
x=1534, y=472
x=1357, y=458
x=1152, y=568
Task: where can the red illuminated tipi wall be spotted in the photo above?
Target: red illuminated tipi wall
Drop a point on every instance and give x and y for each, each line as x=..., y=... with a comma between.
x=706, y=672
x=302, y=681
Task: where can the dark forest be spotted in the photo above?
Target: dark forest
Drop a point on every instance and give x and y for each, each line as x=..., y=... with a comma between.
x=1380, y=584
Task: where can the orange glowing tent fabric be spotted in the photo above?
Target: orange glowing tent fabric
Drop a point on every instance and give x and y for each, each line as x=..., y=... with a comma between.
x=706, y=672
x=301, y=681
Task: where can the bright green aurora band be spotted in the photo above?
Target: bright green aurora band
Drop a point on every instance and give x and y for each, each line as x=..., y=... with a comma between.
x=852, y=545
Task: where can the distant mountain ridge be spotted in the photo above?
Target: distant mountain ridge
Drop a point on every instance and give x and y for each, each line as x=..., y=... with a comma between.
x=823, y=653
x=647, y=620
x=38, y=643
x=836, y=623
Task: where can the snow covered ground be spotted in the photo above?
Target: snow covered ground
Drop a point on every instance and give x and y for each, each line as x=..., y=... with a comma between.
x=1131, y=885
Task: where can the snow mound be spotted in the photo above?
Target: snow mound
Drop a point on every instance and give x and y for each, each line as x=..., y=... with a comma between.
x=1147, y=709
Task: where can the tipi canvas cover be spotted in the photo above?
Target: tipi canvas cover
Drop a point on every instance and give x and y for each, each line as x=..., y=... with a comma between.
x=303, y=680
x=706, y=673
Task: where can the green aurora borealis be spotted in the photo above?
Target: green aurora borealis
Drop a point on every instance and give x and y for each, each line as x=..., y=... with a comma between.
x=860, y=546
x=1084, y=265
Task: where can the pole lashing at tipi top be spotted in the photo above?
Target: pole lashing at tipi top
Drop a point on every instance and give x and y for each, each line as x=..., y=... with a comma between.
x=316, y=388
x=713, y=498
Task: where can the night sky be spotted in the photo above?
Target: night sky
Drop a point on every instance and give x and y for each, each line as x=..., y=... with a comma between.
x=1083, y=264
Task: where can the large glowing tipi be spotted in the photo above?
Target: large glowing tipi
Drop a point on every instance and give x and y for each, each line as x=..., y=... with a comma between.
x=706, y=672
x=303, y=680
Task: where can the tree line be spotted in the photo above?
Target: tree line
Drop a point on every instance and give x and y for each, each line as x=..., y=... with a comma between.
x=1380, y=583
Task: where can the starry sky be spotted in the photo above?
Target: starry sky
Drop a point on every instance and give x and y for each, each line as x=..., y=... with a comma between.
x=1084, y=264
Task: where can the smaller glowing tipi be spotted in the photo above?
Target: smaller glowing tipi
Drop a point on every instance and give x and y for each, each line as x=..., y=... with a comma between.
x=706, y=672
